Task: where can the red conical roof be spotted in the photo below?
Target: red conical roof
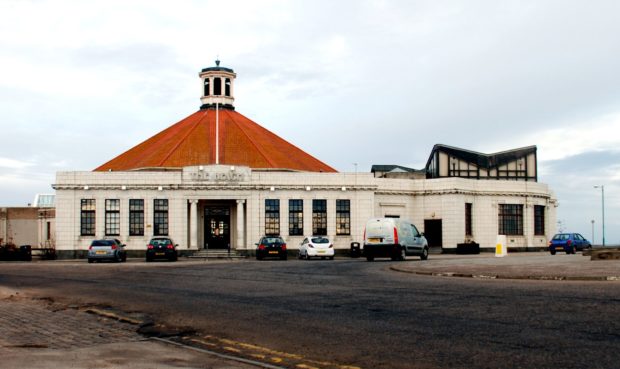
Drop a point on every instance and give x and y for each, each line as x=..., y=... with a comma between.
x=192, y=142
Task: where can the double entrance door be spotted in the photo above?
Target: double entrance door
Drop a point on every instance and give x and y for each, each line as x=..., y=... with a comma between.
x=217, y=227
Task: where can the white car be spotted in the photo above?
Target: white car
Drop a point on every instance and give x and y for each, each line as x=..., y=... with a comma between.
x=316, y=246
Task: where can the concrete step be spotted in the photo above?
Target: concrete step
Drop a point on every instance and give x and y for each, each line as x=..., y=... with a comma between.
x=216, y=254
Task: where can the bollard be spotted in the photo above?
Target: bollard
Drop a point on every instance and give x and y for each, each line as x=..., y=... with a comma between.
x=500, y=246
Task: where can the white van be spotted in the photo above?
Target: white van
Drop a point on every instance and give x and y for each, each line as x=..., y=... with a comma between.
x=393, y=238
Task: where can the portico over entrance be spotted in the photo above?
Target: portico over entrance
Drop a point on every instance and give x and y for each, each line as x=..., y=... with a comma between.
x=216, y=224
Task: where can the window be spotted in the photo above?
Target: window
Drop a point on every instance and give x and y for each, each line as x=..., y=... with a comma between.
x=160, y=217
x=343, y=217
x=510, y=219
x=207, y=87
x=539, y=220
x=112, y=217
x=227, y=87
x=87, y=217
x=217, y=86
x=136, y=217
x=319, y=217
x=272, y=217
x=296, y=217
x=468, y=231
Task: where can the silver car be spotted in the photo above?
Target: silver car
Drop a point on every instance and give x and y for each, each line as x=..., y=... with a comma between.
x=108, y=249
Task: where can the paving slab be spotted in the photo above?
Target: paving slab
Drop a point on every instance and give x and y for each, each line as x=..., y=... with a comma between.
x=41, y=334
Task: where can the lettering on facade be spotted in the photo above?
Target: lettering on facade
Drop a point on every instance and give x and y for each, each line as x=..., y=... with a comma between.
x=218, y=173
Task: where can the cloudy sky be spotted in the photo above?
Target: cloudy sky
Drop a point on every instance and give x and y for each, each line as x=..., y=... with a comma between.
x=366, y=82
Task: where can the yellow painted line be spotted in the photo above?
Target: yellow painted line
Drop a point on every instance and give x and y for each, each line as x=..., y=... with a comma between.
x=304, y=366
x=276, y=356
x=231, y=349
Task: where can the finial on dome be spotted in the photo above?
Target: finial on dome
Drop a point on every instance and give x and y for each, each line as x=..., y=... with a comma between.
x=217, y=62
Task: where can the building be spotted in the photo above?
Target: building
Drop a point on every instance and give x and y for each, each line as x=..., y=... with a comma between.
x=216, y=180
x=32, y=225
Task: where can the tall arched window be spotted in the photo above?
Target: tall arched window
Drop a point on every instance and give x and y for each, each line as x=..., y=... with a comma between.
x=207, y=87
x=227, y=87
x=217, y=86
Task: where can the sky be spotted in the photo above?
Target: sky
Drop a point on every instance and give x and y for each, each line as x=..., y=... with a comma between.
x=352, y=82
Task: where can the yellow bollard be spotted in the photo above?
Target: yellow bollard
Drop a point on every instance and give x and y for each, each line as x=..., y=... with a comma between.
x=500, y=246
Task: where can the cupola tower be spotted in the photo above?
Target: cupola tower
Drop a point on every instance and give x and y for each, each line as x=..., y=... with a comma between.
x=217, y=87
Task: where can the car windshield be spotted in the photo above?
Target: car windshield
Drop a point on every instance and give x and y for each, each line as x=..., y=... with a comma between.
x=271, y=240
x=319, y=240
x=102, y=243
x=161, y=242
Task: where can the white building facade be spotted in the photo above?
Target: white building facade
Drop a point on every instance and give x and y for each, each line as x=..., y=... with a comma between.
x=223, y=206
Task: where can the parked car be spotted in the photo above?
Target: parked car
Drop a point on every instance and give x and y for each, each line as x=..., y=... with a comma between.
x=271, y=246
x=393, y=238
x=161, y=248
x=569, y=243
x=107, y=249
x=316, y=246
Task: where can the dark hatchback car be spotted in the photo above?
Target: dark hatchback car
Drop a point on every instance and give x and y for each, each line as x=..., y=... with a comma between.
x=161, y=248
x=569, y=243
x=271, y=246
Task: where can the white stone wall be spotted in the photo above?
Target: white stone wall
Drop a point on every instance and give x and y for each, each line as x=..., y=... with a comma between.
x=416, y=200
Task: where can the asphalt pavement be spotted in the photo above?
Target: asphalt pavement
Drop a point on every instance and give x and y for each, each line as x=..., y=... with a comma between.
x=39, y=333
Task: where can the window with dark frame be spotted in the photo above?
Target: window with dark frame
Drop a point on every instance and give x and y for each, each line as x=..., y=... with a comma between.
x=539, y=220
x=136, y=217
x=343, y=217
x=160, y=217
x=468, y=231
x=112, y=217
x=272, y=217
x=296, y=217
x=510, y=219
x=319, y=217
x=87, y=217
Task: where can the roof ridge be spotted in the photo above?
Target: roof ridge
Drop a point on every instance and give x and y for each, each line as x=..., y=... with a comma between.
x=252, y=140
x=183, y=139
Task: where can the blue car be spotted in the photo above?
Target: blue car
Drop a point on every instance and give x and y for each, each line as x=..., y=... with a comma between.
x=569, y=243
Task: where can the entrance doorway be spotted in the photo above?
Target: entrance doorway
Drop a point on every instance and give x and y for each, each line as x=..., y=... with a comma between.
x=432, y=232
x=217, y=227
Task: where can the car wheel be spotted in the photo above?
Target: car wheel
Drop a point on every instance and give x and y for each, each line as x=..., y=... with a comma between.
x=90, y=261
x=148, y=260
x=322, y=257
x=403, y=254
x=124, y=257
x=424, y=255
x=331, y=258
x=370, y=258
x=552, y=251
x=283, y=257
x=307, y=257
x=259, y=257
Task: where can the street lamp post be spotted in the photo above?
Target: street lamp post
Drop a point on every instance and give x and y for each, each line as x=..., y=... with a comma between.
x=592, y=231
x=602, y=187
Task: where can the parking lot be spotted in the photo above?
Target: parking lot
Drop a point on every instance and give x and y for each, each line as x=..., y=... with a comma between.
x=349, y=312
